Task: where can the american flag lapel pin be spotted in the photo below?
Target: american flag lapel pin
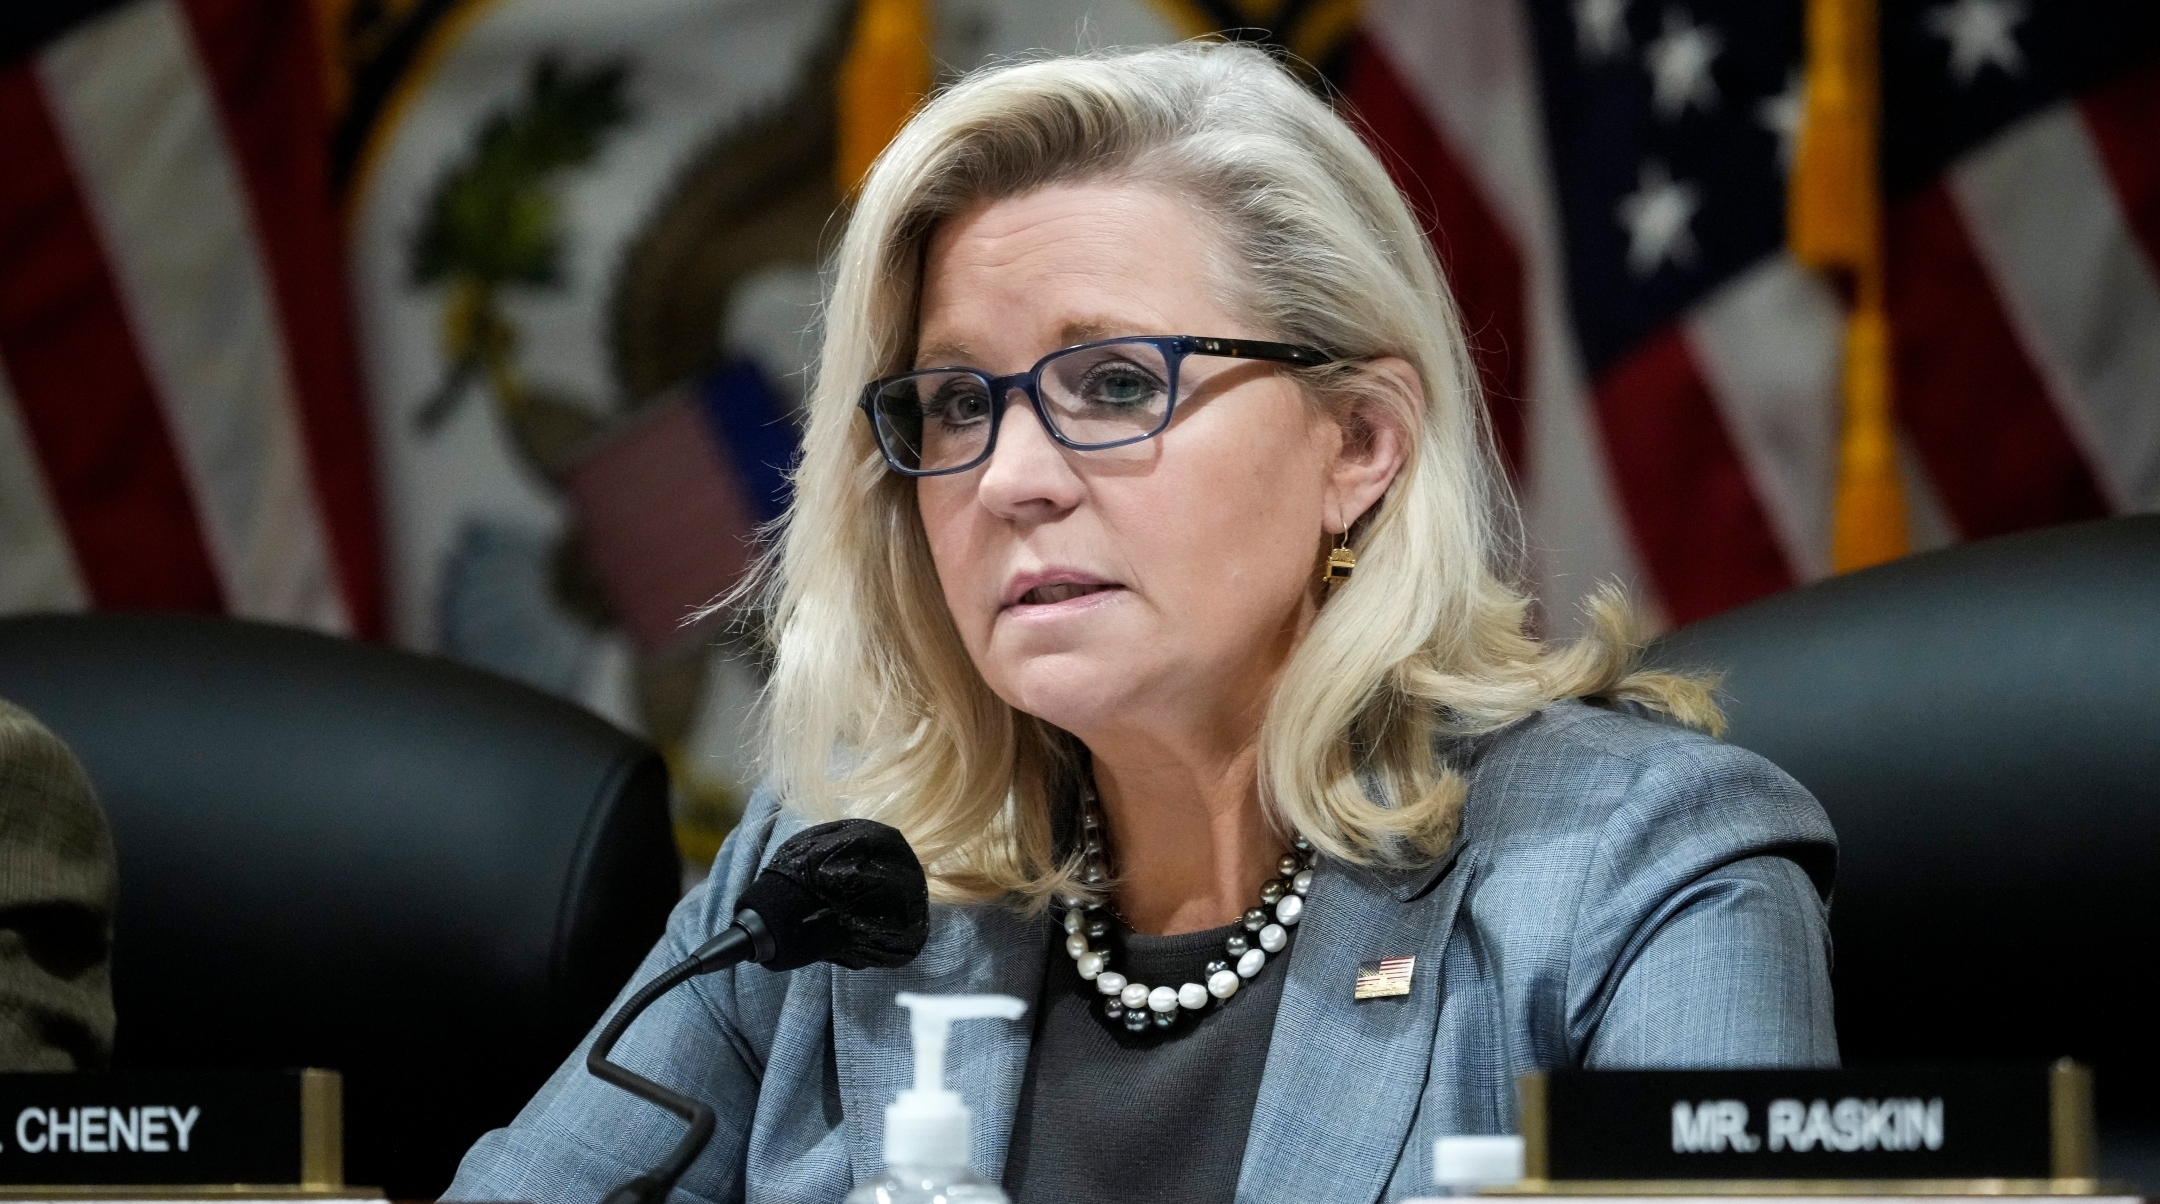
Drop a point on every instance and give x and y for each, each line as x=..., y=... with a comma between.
x=1383, y=979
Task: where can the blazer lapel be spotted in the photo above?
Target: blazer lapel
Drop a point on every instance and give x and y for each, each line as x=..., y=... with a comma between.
x=1343, y=1077
x=987, y=949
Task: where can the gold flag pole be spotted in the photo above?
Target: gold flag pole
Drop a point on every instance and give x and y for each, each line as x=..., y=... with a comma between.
x=885, y=74
x=1834, y=223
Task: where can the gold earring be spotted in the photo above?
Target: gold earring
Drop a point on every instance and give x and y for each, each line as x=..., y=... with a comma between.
x=1341, y=561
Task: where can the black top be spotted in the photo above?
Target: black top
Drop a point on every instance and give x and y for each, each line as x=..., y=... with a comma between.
x=1109, y=1115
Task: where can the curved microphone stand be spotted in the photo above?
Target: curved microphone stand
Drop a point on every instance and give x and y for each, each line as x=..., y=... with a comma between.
x=739, y=943
x=850, y=892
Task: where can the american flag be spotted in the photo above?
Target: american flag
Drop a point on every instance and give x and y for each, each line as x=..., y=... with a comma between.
x=1606, y=182
x=181, y=425
x=1384, y=979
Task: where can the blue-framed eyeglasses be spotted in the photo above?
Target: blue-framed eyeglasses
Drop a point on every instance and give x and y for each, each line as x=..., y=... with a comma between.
x=1093, y=396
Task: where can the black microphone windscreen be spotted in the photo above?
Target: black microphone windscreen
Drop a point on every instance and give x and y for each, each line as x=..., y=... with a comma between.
x=849, y=892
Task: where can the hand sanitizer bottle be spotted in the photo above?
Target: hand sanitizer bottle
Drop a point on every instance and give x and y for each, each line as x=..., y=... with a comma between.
x=1465, y=1166
x=926, y=1129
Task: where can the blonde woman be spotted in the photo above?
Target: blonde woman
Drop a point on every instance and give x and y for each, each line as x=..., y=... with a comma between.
x=1150, y=570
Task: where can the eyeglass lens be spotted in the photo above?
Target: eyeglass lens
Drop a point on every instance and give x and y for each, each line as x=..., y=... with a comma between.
x=1093, y=397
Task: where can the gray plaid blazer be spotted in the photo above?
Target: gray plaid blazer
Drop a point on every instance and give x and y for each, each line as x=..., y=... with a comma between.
x=1623, y=893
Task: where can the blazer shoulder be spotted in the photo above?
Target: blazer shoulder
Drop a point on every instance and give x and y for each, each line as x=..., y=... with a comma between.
x=52, y=829
x=57, y=897
x=1599, y=774
x=1586, y=728
x=1586, y=756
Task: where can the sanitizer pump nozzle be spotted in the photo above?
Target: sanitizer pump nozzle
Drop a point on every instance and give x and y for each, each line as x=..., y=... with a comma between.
x=928, y=1125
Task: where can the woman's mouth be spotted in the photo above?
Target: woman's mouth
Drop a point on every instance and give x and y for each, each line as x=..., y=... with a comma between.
x=1064, y=591
x=1057, y=591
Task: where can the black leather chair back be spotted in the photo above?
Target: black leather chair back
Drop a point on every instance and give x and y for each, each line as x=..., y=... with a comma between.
x=335, y=854
x=1983, y=724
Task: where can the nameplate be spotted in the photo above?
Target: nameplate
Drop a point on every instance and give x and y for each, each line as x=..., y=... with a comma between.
x=2016, y=1125
x=173, y=1128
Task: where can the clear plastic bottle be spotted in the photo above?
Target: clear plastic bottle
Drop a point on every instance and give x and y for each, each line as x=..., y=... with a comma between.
x=926, y=1129
x=928, y=1185
x=1465, y=1166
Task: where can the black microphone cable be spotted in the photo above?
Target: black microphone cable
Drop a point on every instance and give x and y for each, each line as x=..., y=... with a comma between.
x=737, y=944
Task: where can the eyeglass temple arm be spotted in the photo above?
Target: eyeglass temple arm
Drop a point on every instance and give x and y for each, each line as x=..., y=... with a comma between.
x=1255, y=349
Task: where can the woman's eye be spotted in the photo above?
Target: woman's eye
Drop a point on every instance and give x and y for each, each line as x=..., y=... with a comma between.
x=1120, y=384
x=958, y=404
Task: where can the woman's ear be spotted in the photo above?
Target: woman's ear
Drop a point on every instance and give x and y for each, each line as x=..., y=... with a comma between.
x=1375, y=440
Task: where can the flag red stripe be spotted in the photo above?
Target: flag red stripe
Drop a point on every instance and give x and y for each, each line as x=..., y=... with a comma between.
x=1978, y=415
x=1697, y=523
x=2123, y=118
x=85, y=398
x=1484, y=265
x=264, y=68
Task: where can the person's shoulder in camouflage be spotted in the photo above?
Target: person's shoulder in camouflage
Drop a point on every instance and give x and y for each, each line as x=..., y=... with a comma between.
x=58, y=888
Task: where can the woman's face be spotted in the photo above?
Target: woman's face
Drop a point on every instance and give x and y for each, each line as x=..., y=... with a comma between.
x=1137, y=591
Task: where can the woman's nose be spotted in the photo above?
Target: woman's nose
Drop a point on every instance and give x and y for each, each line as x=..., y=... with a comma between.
x=1028, y=471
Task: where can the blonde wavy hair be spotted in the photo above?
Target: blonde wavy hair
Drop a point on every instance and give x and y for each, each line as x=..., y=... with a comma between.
x=874, y=706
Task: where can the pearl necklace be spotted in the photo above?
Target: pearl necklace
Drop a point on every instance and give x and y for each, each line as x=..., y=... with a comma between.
x=1265, y=930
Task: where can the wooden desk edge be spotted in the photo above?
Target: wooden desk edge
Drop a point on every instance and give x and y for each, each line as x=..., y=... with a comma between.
x=2080, y=1187
x=191, y=1191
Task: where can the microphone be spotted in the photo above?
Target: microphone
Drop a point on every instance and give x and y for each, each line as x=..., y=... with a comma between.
x=850, y=892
